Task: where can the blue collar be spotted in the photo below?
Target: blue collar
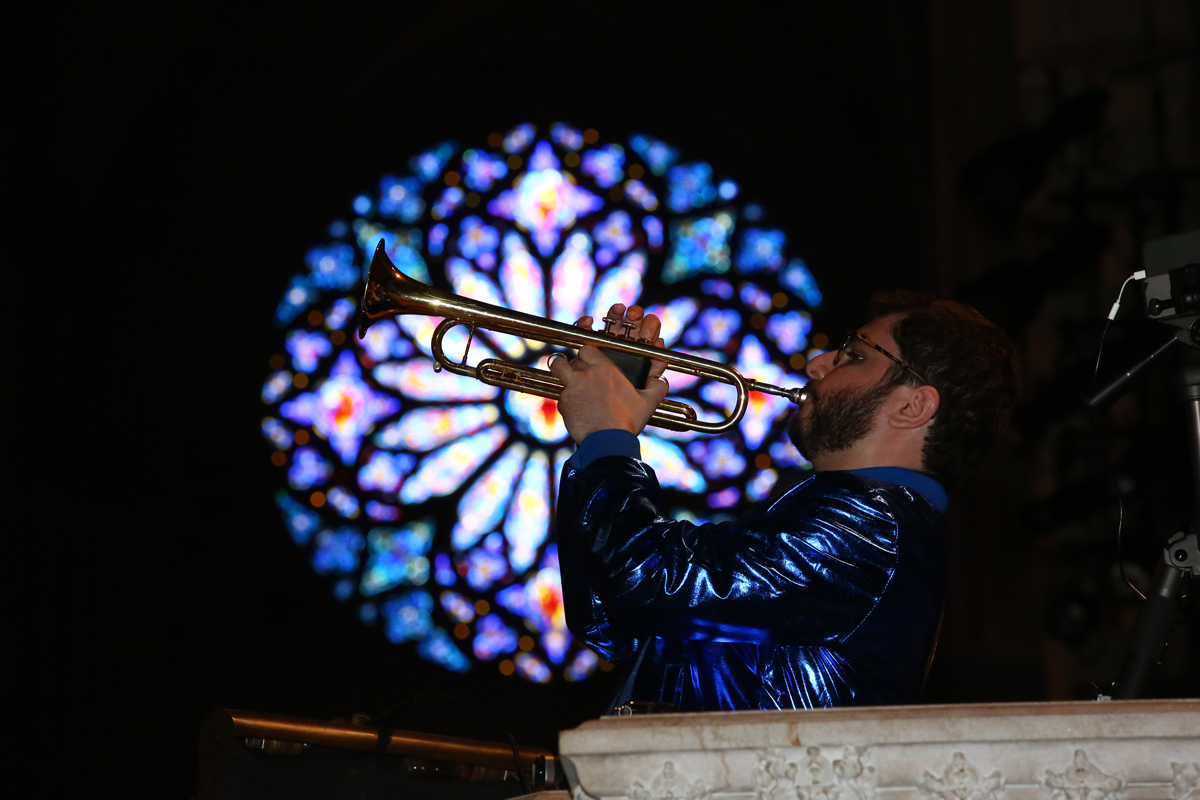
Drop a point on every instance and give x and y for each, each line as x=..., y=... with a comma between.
x=919, y=482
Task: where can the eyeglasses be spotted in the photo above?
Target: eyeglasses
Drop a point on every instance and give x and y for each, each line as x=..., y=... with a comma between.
x=852, y=335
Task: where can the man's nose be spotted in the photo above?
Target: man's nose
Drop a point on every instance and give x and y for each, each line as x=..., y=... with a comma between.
x=819, y=366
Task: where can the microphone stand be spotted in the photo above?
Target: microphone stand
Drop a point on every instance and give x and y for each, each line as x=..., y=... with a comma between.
x=1180, y=556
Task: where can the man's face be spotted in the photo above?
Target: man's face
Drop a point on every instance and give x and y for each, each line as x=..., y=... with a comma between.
x=844, y=400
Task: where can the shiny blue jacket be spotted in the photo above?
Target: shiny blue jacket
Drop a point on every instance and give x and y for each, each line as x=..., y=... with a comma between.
x=829, y=596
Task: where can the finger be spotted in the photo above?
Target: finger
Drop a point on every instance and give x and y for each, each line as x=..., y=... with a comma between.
x=616, y=311
x=654, y=392
x=634, y=313
x=657, y=366
x=651, y=328
x=584, y=322
x=591, y=355
x=560, y=367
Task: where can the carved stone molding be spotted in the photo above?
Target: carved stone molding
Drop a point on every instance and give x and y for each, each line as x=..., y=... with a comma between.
x=1082, y=781
x=669, y=784
x=814, y=777
x=1185, y=781
x=960, y=780
x=1119, y=750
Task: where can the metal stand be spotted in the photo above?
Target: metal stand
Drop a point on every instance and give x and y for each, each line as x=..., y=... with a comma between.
x=1180, y=558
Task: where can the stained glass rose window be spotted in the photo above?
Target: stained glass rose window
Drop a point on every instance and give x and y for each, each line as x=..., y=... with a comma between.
x=428, y=498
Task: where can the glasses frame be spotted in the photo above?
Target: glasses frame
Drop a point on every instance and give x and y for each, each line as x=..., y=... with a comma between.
x=854, y=334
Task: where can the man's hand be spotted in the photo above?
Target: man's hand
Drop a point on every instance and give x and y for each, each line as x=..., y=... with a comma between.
x=596, y=396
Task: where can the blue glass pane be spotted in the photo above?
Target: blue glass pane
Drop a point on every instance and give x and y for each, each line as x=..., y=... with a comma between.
x=476, y=238
x=332, y=267
x=307, y=349
x=276, y=386
x=519, y=138
x=698, y=246
x=690, y=187
x=714, y=328
x=299, y=296
x=401, y=198
x=438, y=647
x=397, y=557
x=790, y=331
x=543, y=158
x=481, y=170
x=718, y=457
x=761, y=250
x=301, y=523
x=566, y=137
x=429, y=165
x=277, y=433
x=532, y=668
x=344, y=503
x=340, y=313
x=761, y=484
x=408, y=617
x=494, y=638
x=755, y=297
x=444, y=206
x=337, y=550
x=797, y=278
x=383, y=341
x=458, y=607
x=658, y=155
x=604, y=164
x=308, y=469
x=642, y=195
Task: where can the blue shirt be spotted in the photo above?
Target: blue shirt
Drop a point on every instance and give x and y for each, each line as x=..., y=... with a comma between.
x=617, y=442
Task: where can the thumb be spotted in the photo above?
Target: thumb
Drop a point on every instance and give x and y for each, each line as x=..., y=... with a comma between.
x=655, y=392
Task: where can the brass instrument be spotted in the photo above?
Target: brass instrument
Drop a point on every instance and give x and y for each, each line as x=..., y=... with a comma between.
x=390, y=293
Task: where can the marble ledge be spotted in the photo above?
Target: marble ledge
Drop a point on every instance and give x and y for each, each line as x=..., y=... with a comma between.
x=1134, y=750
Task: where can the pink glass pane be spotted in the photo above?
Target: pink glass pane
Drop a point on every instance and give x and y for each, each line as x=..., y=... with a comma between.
x=471, y=283
x=521, y=277
x=573, y=275
x=528, y=520
x=670, y=465
x=674, y=316
x=483, y=504
x=443, y=472
x=427, y=428
x=417, y=380
x=621, y=284
x=537, y=416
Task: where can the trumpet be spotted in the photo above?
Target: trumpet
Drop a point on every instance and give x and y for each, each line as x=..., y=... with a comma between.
x=390, y=293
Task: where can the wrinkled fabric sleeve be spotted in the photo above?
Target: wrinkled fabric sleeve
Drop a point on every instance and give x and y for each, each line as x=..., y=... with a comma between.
x=807, y=571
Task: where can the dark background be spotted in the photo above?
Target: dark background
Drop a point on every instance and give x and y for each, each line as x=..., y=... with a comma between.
x=167, y=167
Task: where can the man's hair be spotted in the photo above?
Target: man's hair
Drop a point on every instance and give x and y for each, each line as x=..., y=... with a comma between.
x=969, y=360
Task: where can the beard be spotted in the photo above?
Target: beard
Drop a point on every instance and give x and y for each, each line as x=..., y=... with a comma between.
x=838, y=419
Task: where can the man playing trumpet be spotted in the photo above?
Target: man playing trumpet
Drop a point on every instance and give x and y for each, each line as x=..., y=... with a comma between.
x=830, y=594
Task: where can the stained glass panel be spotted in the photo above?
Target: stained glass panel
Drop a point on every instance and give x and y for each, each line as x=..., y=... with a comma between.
x=426, y=497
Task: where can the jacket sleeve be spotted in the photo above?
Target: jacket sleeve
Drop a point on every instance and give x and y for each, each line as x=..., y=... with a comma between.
x=807, y=570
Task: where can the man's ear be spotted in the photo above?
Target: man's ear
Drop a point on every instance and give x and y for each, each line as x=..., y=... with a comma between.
x=916, y=407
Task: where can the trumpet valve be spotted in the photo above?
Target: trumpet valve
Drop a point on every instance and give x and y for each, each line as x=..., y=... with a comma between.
x=628, y=326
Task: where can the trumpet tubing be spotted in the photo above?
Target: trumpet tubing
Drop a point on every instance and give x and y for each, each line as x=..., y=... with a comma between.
x=390, y=293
